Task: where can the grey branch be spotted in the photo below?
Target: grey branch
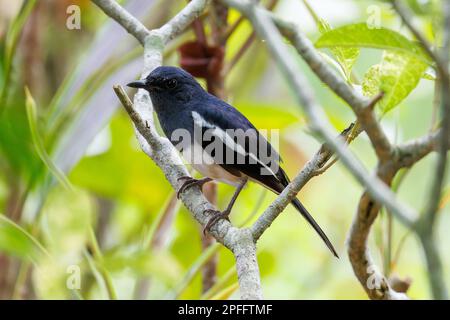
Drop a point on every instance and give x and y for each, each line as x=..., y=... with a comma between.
x=310, y=170
x=372, y=280
x=161, y=151
x=443, y=145
x=428, y=220
x=361, y=105
x=242, y=241
x=438, y=141
x=407, y=19
x=264, y=26
x=124, y=18
x=377, y=191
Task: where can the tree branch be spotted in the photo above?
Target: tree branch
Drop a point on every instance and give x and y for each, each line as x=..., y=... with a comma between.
x=239, y=241
x=242, y=241
x=427, y=222
x=372, y=280
x=262, y=22
x=377, y=191
x=443, y=145
x=290, y=192
x=408, y=153
x=362, y=106
x=407, y=18
x=124, y=18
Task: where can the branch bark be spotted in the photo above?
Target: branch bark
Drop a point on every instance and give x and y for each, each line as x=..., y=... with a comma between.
x=372, y=280
x=264, y=26
x=310, y=170
x=428, y=220
x=361, y=106
x=124, y=18
x=377, y=192
x=241, y=241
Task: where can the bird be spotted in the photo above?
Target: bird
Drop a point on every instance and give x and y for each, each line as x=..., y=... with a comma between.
x=184, y=108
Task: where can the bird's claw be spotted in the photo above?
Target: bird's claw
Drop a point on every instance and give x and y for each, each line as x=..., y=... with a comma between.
x=217, y=215
x=189, y=181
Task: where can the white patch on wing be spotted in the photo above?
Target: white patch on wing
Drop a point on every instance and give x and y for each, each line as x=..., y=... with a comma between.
x=227, y=140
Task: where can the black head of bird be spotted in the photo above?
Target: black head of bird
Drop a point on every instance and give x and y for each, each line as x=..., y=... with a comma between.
x=169, y=84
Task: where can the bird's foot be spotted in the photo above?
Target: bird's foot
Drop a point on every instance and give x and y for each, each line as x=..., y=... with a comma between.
x=217, y=215
x=189, y=182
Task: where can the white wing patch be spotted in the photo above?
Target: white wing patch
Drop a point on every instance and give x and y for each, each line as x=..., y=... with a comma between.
x=227, y=140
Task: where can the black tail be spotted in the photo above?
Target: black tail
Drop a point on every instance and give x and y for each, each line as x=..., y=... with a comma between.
x=298, y=205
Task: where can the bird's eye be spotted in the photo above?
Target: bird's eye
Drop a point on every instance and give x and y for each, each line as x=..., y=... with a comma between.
x=171, y=83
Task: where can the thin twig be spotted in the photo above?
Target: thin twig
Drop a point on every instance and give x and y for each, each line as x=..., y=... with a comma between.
x=263, y=24
x=246, y=45
x=239, y=54
x=362, y=107
x=231, y=29
x=308, y=171
x=407, y=18
x=242, y=241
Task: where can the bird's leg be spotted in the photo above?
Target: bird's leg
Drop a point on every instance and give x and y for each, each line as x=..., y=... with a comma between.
x=217, y=215
x=189, y=182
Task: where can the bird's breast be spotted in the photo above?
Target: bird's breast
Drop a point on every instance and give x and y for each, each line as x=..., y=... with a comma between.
x=202, y=162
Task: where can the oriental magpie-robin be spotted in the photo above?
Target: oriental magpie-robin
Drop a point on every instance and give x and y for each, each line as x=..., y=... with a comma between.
x=221, y=143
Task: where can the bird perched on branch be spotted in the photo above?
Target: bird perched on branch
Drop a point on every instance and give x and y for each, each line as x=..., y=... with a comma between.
x=217, y=140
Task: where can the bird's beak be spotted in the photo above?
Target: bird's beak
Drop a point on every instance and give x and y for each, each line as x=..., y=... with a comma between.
x=137, y=84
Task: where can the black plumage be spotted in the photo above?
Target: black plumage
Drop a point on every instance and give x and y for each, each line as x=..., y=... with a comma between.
x=181, y=103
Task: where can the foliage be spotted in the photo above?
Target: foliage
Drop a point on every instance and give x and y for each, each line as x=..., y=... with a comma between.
x=75, y=189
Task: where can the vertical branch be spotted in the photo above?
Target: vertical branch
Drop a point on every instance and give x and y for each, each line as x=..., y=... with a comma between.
x=266, y=29
x=244, y=250
x=157, y=239
x=165, y=156
x=377, y=191
x=206, y=62
x=428, y=220
x=209, y=270
x=436, y=190
x=219, y=16
x=435, y=273
x=372, y=280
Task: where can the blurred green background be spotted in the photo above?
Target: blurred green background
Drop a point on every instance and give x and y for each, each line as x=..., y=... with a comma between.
x=79, y=198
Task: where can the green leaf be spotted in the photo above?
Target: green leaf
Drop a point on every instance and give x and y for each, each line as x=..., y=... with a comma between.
x=38, y=143
x=346, y=57
x=268, y=115
x=226, y=293
x=371, y=82
x=97, y=265
x=397, y=75
x=194, y=270
x=102, y=276
x=17, y=241
x=429, y=74
x=359, y=35
x=12, y=38
x=132, y=185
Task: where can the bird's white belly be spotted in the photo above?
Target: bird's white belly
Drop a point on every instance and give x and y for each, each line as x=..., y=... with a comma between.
x=204, y=164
